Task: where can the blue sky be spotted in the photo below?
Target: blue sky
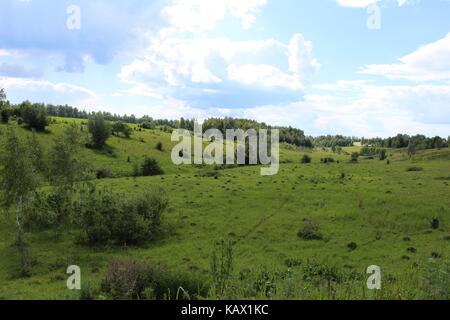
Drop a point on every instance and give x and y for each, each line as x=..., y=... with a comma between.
x=354, y=67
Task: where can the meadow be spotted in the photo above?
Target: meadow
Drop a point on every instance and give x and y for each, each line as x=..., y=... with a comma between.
x=370, y=212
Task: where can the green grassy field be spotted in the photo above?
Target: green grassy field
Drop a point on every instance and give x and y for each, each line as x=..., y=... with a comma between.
x=383, y=208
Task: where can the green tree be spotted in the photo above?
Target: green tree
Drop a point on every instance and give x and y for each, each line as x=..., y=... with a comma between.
x=18, y=174
x=34, y=116
x=100, y=130
x=120, y=127
x=66, y=163
x=150, y=167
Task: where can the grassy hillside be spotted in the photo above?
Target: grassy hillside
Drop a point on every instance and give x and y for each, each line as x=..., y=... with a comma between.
x=370, y=213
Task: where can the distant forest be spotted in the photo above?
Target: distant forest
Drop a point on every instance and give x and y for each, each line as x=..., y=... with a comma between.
x=39, y=111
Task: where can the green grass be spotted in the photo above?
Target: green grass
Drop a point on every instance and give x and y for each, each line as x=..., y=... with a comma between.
x=371, y=203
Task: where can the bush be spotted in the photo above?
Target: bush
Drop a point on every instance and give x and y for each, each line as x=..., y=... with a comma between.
x=305, y=159
x=150, y=167
x=106, y=217
x=34, y=116
x=414, y=169
x=103, y=173
x=100, y=130
x=327, y=160
x=135, y=279
x=159, y=146
x=354, y=157
x=310, y=230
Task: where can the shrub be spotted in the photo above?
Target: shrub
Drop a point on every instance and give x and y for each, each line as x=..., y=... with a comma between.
x=159, y=146
x=414, y=169
x=135, y=279
x=34, y=116
x=354, y=157
x=106, y=217
x=305, y=159
x=327, y=160
x=352, y=246
x=100, y=130
x=310, y=230
x=103, y=173
x=435, y=223
x=150, y=167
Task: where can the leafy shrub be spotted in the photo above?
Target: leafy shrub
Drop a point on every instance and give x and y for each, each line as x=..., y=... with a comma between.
x=327, y=160
x=103, y=173
x=352, y=246
x=414, y=169
x=159, y=146
x=354, y=157
x=135, y=279
x=150, y=167
x=305, y=159
x=106, y=217
x=310, y=230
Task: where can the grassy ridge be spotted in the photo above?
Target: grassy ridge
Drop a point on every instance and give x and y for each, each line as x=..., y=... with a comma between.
x=384, y=209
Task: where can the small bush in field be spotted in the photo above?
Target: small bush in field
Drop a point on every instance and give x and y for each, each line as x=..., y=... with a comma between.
x=305, y=159
x=310, y=230
x=159, y=146
x=106, y=217
x=135, y=279
x=103, y=173
x=150, y=167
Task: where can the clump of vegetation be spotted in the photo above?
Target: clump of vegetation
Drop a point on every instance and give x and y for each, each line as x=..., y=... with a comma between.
x=106, y=217
x=134, y=279
x=435, y=223
x=121, y=128
x=354, y=157
x=103, y=173
x=352, y=246
x=414, y=169
x=100, y=130
x=221, y=266
x=310, y=230
x=327, y=160
x=34, y=116
x=150, y=167
x=305, y=159
x=159, y=146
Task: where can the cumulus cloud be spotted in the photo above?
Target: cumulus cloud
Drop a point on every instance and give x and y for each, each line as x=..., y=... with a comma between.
x=201, y=15
x=47, y=91
x=429, y=62
x=184, y=62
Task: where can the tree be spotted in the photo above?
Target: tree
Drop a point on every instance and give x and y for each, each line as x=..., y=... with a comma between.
x=65, y=158
x=18, y=174
x=150, y=167
x=120, y=127
x=100, y=130
x=382, y=154
x=34, y=116
x=4, y=107
x=411, y=149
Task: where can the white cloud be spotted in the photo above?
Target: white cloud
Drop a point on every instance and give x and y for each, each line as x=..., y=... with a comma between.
x=428, y=63
x=365, y=3
x=203, y=15
x=264, y=75
x=48, y=92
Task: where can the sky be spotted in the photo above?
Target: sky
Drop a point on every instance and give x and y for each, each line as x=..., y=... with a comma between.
x=355, y=67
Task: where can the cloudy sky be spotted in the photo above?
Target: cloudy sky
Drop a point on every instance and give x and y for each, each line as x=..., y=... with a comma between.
x=354, y=67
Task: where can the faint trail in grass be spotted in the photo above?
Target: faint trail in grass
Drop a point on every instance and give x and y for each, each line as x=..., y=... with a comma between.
x=260, y=223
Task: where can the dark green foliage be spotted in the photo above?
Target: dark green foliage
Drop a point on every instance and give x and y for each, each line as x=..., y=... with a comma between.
x=159, y=146
x=106, y=217
x=66, y=162
x=150, y=167
x=414, y=169
x=100, y=130
x=133, y=279
x=34, y=116
x=354, y=157
x=310, y=230
x=333, y=141
x=327, y=160
x=121, y=128
x=305, y=159
x=352, y=246
x=103, y=173
x=435, y=223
